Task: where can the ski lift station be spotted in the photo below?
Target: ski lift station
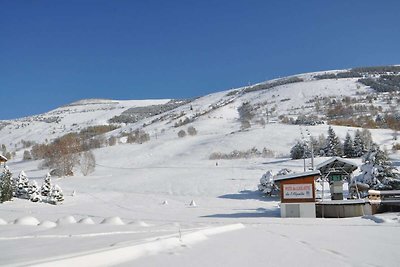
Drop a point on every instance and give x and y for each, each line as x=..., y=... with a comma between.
x=299, y=198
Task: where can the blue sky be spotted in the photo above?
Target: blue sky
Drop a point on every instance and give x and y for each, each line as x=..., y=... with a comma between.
x=54, y=52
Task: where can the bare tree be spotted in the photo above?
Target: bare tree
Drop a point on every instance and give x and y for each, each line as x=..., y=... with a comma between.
x=87, y=162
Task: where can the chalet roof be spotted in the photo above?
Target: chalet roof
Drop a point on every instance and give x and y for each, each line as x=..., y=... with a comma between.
x=2, y=158
x=296, y=175
x=336, y=163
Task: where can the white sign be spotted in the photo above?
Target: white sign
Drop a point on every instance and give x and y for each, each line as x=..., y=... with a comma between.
x=296, y=191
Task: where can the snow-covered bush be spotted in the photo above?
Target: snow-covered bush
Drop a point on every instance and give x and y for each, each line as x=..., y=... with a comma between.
x=267, y=184
x=191, y=130
x=181, y=133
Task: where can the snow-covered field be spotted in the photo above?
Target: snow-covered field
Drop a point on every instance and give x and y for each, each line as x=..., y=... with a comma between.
x=164, y=203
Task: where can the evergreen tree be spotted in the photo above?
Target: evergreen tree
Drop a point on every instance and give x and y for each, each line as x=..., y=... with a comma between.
x=6, y=187
x=22, y=185
x=333, y=147
x=359, y=145
x=56, y=195
x=382, y=174
x=348, y=148
x=33, y=192
x=299, y=150
x=46, y=186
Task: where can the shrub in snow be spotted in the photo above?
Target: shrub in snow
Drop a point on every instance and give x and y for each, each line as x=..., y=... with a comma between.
x=46, y=186
x=181, y=133
x=87, y=162
x=6, y=185
x=191, y=130
x=56, y=195
x=193, y=204
x=267, y=184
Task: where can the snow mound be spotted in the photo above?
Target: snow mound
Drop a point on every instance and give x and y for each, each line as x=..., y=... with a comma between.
x=27, y=220
x=66, y=220
x=2, y=222
x=113, y=221
x=48, y=224
x=140, y=223
x=86, y=221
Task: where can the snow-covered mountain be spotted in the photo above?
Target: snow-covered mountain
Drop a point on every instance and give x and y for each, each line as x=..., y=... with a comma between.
x=150, y=186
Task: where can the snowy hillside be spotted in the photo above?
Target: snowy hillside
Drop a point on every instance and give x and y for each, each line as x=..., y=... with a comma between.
x=167, y=200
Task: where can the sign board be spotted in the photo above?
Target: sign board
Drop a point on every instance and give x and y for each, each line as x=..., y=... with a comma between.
x=297, y=191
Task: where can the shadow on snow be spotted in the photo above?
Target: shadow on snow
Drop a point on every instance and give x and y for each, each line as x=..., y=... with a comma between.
x=248, y=194
x=250, y=213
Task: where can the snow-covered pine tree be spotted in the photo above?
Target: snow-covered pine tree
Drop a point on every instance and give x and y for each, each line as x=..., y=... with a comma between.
x=6, y=187
x=333, y=146
x=267, y=184
x=56, y=195
x=46, y=186
x=34, y=194
x=22, y=185
x=348, y=148
x=378, y=171
x=359, y=145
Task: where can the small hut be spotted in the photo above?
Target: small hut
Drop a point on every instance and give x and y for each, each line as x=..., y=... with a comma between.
x=3, y=160
x=298, y=194
x=336, y=170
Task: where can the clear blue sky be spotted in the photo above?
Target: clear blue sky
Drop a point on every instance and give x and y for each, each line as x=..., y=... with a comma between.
x=57, y=51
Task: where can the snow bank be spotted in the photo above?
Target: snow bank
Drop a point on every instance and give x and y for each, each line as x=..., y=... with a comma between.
x=2, y=222
x=66, y=220
x=113, y=221
x=48, y=224
x=27, y=220
x=86, y=221
x=129, y=253
x=140, y=223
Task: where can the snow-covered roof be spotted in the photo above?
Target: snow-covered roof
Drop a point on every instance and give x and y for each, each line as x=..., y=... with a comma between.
x=336, y=163
x=3, y=159
x=296, y=175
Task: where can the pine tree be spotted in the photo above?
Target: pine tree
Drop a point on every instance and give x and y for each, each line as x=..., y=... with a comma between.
x=359, y=145
x=56, y=195
x=383, y=173
x=46, y=186
x=299, y=150
x=22, y=185
x=348, y=148
x=6, y=187
x=33, y=192
x=333, y=146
